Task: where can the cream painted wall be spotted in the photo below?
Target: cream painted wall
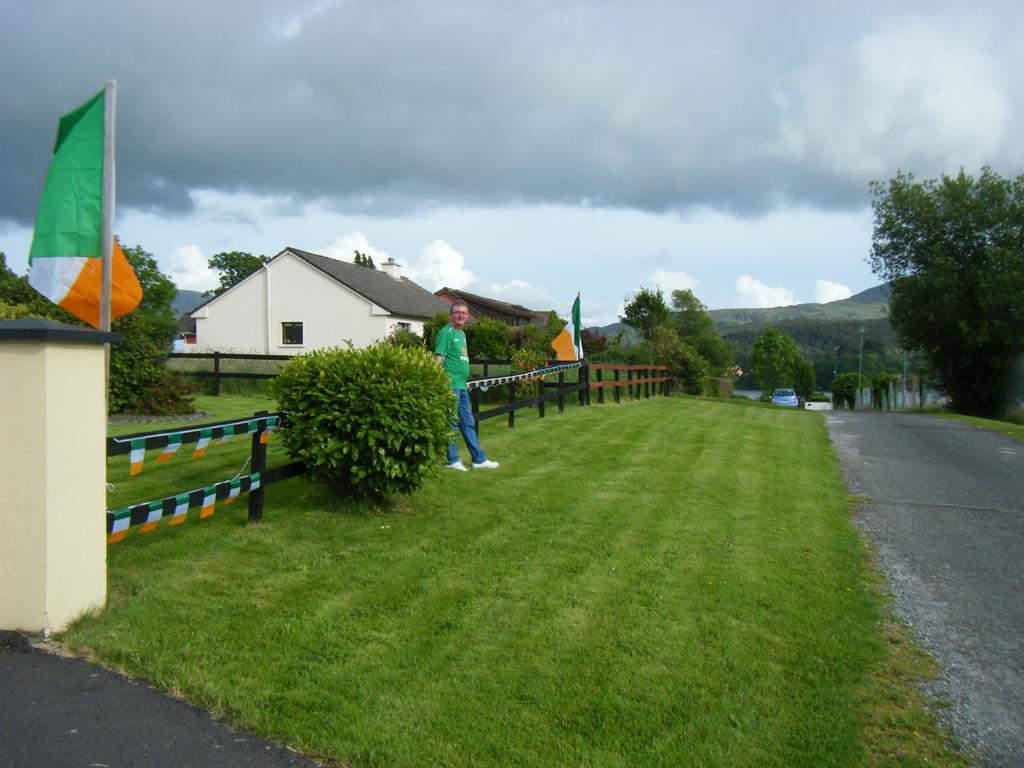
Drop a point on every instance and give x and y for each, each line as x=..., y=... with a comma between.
x=53, y=458
x=295, y=292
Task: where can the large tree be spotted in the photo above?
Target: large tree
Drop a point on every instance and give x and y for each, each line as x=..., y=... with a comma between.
x=696, y=327
x=774, y=360
x=233, y=267
x=646, y=310
x=953, y=251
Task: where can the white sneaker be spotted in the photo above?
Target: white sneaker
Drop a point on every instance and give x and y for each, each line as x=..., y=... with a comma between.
x=459, y=466
x=485, y=464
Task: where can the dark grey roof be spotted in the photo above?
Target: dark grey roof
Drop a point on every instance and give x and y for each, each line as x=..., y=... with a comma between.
x=399, y=297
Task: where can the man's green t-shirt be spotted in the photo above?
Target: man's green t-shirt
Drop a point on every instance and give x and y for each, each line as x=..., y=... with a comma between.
x=450, y=344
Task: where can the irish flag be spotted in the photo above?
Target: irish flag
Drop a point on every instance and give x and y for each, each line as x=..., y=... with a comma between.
x=568, y=345
x=65, y=261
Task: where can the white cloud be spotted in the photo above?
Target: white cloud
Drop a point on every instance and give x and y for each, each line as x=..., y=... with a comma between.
x=440, y=265
x=672, y=281
x=189, y=269
x=826, y=291
x=344, y=247
x=518, y=291
x=753, y=293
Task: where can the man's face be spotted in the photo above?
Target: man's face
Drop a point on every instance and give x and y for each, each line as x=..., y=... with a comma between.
x=458, y=316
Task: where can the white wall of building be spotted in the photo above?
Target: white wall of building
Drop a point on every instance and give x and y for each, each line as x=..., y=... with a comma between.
x=294, y=292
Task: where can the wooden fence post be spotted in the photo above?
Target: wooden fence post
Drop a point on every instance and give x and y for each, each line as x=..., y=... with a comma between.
x=216, y=373
x=647, y=382
x=540, y=395
x=258, y=463
x=561, y=397
x=586, y=380
x=511, y=401
x=600, y=390
x=617, y=387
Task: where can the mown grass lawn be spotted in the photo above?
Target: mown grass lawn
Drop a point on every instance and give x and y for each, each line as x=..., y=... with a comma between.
x=665, y=582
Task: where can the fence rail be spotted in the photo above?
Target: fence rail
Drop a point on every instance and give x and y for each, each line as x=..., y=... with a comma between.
x=636, y=376
x=176, y=507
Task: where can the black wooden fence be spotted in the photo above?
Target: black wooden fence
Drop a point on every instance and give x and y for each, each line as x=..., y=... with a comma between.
x=217, y=374
x=635, y=381
x=175, y=507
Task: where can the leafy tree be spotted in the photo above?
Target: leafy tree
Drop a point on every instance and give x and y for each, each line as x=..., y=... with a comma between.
x=695, y=326
x=645, y=311
x=234, y=267
x=684, y=362
x=363, y=260
x=773, y=360
x=844, y=389
x=803, y=378
x=138, y=365
x=487, y=338
x=953, y=251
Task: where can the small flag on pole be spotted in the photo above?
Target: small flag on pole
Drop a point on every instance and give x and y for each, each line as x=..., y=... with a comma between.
x=65, y=259
x=568, y=345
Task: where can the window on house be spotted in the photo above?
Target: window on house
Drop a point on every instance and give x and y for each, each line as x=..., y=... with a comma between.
x=404, y=326
x=291, y=333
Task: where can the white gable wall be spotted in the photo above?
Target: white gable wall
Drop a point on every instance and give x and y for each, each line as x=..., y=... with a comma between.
x=294, y=291
x=235, y=320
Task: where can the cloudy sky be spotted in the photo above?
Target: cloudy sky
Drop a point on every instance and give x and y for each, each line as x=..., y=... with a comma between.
x=522, y=150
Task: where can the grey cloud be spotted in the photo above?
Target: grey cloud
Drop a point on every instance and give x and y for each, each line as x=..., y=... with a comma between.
x=384, y=106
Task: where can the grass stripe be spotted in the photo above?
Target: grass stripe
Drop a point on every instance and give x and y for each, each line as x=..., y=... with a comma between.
x=665, y=582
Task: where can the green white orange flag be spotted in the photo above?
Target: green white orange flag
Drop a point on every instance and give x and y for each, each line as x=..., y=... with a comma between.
x=568, y=345
x=65, y=260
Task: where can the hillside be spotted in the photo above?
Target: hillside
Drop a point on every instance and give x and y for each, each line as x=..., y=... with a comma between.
x=186, y=301
x=871, y=304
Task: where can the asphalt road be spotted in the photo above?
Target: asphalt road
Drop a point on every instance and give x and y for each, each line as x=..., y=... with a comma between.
x=945, y=511
x=57, y=712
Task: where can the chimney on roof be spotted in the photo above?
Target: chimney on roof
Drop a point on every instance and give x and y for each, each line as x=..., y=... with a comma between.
x=391, y=268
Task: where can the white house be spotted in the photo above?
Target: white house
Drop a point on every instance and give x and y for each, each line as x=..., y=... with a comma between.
x=300, y=301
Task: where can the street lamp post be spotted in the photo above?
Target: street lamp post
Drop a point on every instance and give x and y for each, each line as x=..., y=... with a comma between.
x=835, y=366
x=860, y=367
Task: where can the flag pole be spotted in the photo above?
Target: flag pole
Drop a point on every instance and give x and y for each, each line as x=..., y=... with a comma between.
x=107, y=228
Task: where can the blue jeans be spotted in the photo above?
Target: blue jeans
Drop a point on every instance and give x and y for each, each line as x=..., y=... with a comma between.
x=464, y=423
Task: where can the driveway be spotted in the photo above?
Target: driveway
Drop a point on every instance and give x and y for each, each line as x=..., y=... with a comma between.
x=945, y=510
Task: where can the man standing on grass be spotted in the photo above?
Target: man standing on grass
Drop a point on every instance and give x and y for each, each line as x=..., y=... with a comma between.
x=451, y=351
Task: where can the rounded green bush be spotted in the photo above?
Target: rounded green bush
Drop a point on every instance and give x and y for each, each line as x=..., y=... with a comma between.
x=366, y=422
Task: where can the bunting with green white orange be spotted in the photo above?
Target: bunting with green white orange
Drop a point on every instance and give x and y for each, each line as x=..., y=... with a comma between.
x=568, y=344
x=65, y=260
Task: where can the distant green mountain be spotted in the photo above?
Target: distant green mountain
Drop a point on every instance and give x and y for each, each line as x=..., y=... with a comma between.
x=872, y=304
x=186, y=301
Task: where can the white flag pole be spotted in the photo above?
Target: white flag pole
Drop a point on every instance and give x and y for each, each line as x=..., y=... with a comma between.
x=107, y=225
x=107, y=228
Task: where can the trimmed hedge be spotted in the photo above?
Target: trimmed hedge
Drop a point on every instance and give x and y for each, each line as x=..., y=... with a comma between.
x=366, y=422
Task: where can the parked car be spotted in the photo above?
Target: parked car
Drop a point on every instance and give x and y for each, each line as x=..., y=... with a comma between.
x=785, y=396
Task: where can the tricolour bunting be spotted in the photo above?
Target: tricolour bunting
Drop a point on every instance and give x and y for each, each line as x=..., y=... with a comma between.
x=568, y=344
x=65, y=263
